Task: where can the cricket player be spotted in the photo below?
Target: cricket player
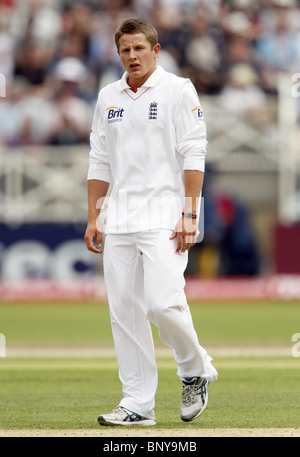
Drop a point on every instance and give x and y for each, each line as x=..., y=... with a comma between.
x=148, y=143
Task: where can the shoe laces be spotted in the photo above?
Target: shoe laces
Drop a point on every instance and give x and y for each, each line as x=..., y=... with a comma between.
x=127, y=415
x=191, y=391
x=119, y=409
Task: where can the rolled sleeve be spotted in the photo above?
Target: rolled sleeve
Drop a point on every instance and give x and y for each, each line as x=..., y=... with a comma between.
x=191, y=137
x=99, y=171
x=99, y=166
x=194, y=162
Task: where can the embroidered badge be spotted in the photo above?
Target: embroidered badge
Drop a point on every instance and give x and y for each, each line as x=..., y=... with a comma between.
x=152, y=115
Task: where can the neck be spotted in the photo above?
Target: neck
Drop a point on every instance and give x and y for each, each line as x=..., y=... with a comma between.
x=136, y=83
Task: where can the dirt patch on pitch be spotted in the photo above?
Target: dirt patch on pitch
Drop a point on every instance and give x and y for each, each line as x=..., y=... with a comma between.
x=146, y=433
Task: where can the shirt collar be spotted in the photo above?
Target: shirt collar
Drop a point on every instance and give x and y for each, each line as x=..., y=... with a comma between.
x=151, y=81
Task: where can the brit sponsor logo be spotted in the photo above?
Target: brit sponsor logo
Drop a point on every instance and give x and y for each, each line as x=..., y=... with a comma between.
x=199, y=111
x=114, y=114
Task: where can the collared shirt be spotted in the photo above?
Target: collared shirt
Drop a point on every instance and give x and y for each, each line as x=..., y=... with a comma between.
x=141, y=143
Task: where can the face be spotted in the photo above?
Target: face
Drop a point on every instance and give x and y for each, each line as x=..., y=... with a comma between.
x=137, y=57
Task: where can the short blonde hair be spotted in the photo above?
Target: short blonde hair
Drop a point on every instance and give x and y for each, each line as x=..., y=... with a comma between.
x=132, y=26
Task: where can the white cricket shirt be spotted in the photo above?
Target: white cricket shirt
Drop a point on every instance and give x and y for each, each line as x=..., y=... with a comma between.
x=141, y=143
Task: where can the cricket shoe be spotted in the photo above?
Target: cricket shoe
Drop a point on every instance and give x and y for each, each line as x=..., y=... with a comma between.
x=194, y=398
x=123, y=416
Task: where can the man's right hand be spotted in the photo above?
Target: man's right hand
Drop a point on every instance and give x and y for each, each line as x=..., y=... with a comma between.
x=94, y=232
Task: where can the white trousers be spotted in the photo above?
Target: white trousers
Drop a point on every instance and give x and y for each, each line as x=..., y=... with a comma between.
x=145, y=282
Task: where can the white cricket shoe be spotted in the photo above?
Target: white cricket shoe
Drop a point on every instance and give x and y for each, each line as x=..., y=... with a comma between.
x=123, y=416
x=194, y=398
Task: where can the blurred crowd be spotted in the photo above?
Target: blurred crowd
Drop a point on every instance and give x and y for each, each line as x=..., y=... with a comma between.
x=56, y=55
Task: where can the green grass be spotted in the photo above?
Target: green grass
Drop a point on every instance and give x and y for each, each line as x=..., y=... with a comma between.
x=55, y=323
x=262, y=323
x=66, y=393
x=70, y=394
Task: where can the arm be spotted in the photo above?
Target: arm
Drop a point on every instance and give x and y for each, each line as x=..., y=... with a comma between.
x=186, y=228
x=97, y=191
x=191, y=145
x=97, y=180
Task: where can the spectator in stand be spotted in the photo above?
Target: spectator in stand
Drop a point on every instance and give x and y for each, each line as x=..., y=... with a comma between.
x=242, y=94
x=21, y=123
x=7, y=63
x=277, y=45
x=206, y=40
x=73, y=116
x=203, y=53
x=33, y=61
x=10, y=116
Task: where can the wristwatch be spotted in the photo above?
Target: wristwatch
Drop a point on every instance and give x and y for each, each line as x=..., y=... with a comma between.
x=190, y=215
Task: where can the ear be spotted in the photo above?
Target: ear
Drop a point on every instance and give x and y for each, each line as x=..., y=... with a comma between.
x=156, y=49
